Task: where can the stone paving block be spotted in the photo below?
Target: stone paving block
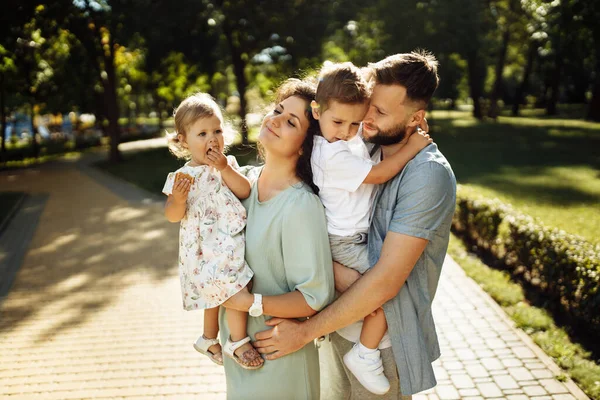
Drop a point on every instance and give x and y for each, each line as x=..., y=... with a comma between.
x=541, y=398
x=520, y=373
x=492, y=363
x=563, y=397
x=523, y=352
x=468, y=392
x=535, y=390
x=511, y=362
x=553, y=386
x=462, y=381
x=466, y=355
x=513, y=391
x=477, y=371
x=453, y=365
x=496, y=343
x=542, y=373
x=440, y=373
x=503, y=353
x=484, y=353
x=489, y=389
x=447, y=392
x=499, y=372
x=506, y=382
x=535, y=365
x=517, y=397
x=529, y=383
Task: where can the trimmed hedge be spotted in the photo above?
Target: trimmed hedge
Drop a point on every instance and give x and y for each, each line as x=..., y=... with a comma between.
x=564, y=267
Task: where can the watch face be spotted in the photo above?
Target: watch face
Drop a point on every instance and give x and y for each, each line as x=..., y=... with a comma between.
x=254, y=312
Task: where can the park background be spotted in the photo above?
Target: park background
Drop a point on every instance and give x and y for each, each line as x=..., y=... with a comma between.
x=517, y=114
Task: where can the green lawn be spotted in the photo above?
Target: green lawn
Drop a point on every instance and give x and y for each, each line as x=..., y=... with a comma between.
x=546, y=167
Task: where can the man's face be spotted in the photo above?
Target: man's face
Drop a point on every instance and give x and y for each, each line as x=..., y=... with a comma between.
x=388, y=115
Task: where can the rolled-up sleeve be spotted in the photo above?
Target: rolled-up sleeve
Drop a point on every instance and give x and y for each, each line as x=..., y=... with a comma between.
x=423, y=201
x=306, y=253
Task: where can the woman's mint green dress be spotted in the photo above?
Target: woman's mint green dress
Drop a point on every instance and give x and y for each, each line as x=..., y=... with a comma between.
x=287, y=247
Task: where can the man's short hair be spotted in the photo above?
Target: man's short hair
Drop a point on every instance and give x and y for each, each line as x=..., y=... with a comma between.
x=416, y=71
x=342, y=82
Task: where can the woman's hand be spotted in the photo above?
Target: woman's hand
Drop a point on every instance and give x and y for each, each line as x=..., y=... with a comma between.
x=344, y=277
x=216, y=159
x=241, y=301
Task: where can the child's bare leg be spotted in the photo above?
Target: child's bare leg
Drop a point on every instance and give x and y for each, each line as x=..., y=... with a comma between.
x=211, y=327
x=374, y=327
x=238, y=321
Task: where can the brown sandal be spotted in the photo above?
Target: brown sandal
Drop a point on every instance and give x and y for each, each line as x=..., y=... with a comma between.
x=249, y=356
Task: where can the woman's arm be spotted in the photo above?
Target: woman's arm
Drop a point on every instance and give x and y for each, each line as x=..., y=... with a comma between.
x=288, y=305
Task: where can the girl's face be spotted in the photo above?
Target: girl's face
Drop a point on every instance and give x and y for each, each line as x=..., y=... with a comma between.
x=284, y=129
x=203, y=135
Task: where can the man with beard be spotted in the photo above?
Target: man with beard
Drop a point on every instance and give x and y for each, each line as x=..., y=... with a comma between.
x=408, y=239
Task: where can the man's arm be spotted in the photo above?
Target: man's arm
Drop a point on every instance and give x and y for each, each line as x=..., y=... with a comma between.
x=399, y=255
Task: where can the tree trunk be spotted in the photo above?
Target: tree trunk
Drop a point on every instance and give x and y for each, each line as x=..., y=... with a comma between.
x=239, y=66
x=555, y=85
x=112, y=105
x=499, y=83
x=34, y=142
x=594, y=108
x=2, y=119
x=475, y=84
x=522, y=88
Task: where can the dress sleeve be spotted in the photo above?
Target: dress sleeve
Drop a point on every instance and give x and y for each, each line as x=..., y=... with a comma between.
x=425, y=200
x=168, y=188
x=232, y=161
x=306, y=253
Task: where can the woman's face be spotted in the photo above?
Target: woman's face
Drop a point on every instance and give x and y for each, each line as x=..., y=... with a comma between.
x=283, y=130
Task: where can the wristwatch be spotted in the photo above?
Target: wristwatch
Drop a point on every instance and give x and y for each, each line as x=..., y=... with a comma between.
x=256, y=309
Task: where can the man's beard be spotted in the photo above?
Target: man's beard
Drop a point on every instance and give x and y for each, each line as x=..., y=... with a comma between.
x=388, y=137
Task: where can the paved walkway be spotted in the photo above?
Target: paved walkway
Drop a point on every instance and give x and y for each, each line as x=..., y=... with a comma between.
x=94, y=310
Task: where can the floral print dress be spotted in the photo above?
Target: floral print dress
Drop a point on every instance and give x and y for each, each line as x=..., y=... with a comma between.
x=211, y=239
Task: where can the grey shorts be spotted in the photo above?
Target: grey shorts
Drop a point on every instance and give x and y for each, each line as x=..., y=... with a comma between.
x=337, y=383
x=350, y=251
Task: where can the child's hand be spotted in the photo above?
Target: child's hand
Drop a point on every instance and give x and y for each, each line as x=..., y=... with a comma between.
x=181, y=188
x=419, y=140
x=216, y=159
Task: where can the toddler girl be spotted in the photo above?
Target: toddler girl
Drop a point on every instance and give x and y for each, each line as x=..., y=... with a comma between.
x=203, y=197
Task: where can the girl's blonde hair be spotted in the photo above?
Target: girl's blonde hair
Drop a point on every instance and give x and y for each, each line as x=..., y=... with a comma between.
x=194, y=107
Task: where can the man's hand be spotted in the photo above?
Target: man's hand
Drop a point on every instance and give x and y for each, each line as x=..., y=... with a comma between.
x=344, y=277
x=286, y=337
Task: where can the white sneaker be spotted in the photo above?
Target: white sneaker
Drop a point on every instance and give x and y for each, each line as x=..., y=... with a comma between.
x=368, y=369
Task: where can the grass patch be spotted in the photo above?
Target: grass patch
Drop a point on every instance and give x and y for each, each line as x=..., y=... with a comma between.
x=148, y=169
x=554, y=340
x=545, y=167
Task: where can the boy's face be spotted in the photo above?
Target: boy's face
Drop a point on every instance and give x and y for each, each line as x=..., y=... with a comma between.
x=340, y=121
